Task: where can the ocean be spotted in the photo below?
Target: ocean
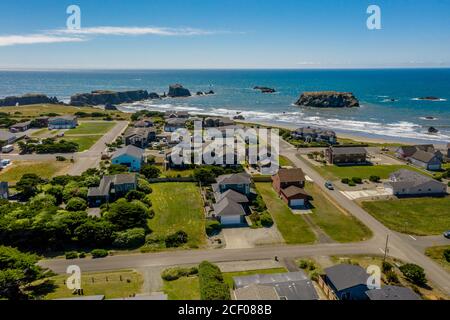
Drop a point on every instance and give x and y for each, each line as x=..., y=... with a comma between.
x=406, y=118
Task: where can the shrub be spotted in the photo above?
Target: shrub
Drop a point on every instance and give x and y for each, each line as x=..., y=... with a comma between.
x=414, y=274
x=176, y=239
x=134, y=195
x=447, y=255
x=212, y=286
x=176, y=273
x=60, y=158
x=357, y=180
x=71, y=255
x=345, y=180
x=266, y=220
x=303, y=264
x=391, y=277
x=82, y=255
x=387, y=267
x=351, y=184
x=131, y=238
x=315, y=276
x=99, y=253
x=127, y=215
x=212, y=226
x=150, y=171
x=375, y=179
x=76, y=204
x=144, y=186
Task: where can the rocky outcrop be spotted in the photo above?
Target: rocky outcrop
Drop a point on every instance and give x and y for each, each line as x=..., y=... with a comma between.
x=429, y=98
x=433, y=130
x=108, y=97
x=27, y=99
x=328, y=99
x=202, y=93
x=265, y=89
x=178, y=91
x=154, y=96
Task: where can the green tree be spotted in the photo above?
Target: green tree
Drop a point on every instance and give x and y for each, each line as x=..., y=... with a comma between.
x=28, y=185
x=131, y=238
x=150, y=171
x=76, y=204
x=127, y=215
x=414, y=273
x=447, y=255
x=95, y=233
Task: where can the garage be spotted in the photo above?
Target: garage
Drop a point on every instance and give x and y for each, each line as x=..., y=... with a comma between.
x=297, y=203
x=230, y=220
x=294, y=196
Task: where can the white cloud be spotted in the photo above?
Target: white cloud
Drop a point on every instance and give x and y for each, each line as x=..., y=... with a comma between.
x=136, y=31
x=12, y=40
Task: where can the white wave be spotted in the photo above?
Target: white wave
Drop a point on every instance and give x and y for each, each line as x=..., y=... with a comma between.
x=429, y=119
x=434, y=100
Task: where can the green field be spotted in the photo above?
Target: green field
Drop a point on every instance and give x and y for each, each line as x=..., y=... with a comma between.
x=338, y=225
x=108, y=284
x=293, y=227
x=421, y=216
x=437, y=254
x=91, y=127
x=332, y=172
x=185, y=288
x=178, y=206
x=285, y=162
x=44, y=169
x=84, y=142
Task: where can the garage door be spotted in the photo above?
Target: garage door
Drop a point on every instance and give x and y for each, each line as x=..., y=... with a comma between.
x=297, y=203
x=230, y=220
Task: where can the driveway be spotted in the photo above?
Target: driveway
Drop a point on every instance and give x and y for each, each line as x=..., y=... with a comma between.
x=374, y=193
x=245, y=238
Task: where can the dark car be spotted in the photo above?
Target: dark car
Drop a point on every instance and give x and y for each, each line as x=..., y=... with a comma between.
x=447, y=234
x=329, y=185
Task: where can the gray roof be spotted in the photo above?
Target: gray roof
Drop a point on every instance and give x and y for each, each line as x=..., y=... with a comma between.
x=232, y=195
x=349, y=150
x=176, y=122
x=344, y=276
x=256, y=292
x=66, y=117
x=392, y=293
x=144, y=132
x=411, y=178
x=227, y=207
x=423, y=156
x=21, y=124
x=235, y=178
x=6, y=135
x=273, y=278
x=105, y=184
x=130, y=150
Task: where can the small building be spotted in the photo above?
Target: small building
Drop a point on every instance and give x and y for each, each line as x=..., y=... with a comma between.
x=173, y=124
x=410, y=183
x=40, y=122
x=139, y=137
x=176, y=114
x=392, y=293
x=144, y=123
x=310, y=134
x=239, y=182
x=405, y=152
x=214, y=122
x=129, y=156
x=427, y=160
x=7, y=138
x=346, y=155
x=289, y=184
x=111, y=188
x=4, y=190
x=63, y=122
x=229, y=212
x=347, y=281
x=20, y=127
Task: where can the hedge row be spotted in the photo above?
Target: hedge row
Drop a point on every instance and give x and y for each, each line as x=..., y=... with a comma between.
x=212, y=286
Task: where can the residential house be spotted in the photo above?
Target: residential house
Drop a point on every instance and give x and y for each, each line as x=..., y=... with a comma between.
x=4, y=190
x=213, y=122
x=6, y=138
x=410, y=183
x=139, y=137
x=173, y=124
x=346, y=155
x=405, y=152
x=20, y=127
x=63, y=122
x=229, y=212
x=392, y=293
x=111, y=188
x=347, y=281
x=130, y=156
x=427, y=160
x=310, y=134
x=289, y=184
x=176, y=114
x=40, y=122
x=239, y=182
x=144, y=123
x=278, y=286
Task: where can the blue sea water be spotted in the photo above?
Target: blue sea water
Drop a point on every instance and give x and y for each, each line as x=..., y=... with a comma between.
x=404, y=118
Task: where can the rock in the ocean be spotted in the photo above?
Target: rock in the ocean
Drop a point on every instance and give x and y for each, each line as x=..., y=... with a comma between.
x=429, y=98
x=108, y=97
x=265, y=89
x=27, y=99
x=239, y=117
x=328, y=99
x=432, y=130
x=178, y=91
x=153, y=96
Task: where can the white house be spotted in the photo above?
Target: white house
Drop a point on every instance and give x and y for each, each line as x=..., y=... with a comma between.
x=130, y=156
x=410, y=183
x=62, y=122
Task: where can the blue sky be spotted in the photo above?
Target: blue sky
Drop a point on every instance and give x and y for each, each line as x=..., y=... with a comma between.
x=224, y=34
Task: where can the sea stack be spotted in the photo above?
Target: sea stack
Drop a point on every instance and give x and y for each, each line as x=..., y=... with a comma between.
x=265, y=89
x=27, y=99
x=178, y=91
x=328, y=99
x=103, y=97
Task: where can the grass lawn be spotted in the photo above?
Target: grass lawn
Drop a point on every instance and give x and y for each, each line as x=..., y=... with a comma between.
x=421, y=216
x=293, y=227
x=178, y=206
x=84, y=142
x=44, y=169
x=175, y=173
x=437, y=254
x=185, y=288
x=333, y=172
x=285, y=162
x=228, y=276
x=108, y=284
x=92, y=127
x=338, y=225
x=346, y=141
x=39, y=132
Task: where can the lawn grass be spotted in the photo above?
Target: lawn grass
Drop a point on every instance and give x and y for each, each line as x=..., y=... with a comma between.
x=184, y=288
x=44, y=169
x=84, y=142
x=285, y=162
x=228, y=276
x=333, y=172
x=178, y=206
x=175, y=173
x=39, y=132
x=105, y=283
x=293, y=228
x=91, y=128
x=420, y=216
x=339, y=226
x=437, y=254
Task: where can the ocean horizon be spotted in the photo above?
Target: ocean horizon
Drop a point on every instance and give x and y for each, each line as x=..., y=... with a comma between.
x=390, y=105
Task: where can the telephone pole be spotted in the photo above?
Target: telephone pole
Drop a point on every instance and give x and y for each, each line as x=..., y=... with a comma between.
x=386, y=249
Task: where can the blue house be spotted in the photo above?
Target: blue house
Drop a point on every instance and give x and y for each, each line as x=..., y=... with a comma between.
x=130, y=156
x=63, y=122
x=347, y=281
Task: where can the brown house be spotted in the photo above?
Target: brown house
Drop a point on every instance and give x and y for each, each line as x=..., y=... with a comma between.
x=289, y=184
x=346, y=155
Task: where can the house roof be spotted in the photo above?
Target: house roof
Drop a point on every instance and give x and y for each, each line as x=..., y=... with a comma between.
x=410, y=178
x=392, y=293
x=227, y=207
x=144, y=132
x=176, y=121
x=293, y=191
x=273, y=278
x=291, y=175
x=256, y=292
x=344, y=276
x=423, y=156
x=349, y=150
x=316, y=131
x=66, y=117
x=105, y=184
x=129, y=150
x=21, y=124
x=232, y=195
x=235, y=178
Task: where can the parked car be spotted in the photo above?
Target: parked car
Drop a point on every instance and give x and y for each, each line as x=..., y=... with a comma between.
x=447, y=234
x=329, y=185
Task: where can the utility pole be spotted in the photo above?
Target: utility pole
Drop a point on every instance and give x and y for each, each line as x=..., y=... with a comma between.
x=386, y=248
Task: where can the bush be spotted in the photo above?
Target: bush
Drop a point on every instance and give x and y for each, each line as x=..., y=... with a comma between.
x=71, y=255
x=134, y=195
x=150, y=171
x=212, y=226
x=99, y=253
x=351, y=184
x=447, y=255
x=391, y=277
x=144, y=186
x=82, y=255
x=357, y=180
x=212, y=286
x=176, y=239
x=414, y=273
x=386, y=267
x=131, y=238
x=266, y=220
x=176, y=273
x=375, y=179
x=127, y=215
x=76, y=204
x=345, y=180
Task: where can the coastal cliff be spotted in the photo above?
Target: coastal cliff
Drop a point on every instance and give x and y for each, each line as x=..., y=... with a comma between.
x=27, y=99
x=110, y=97
x=328, y=99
